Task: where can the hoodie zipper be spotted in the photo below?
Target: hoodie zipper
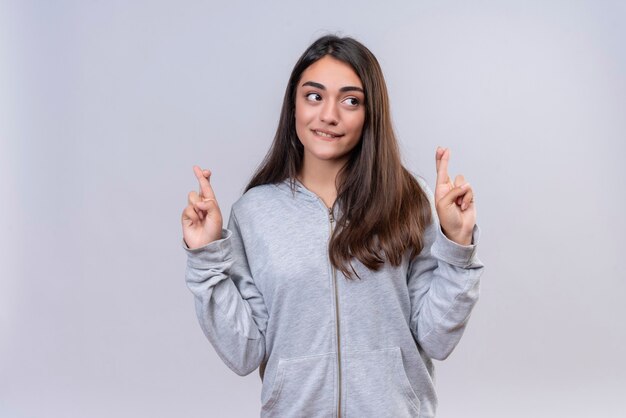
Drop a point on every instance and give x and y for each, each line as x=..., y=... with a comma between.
x=331, y=218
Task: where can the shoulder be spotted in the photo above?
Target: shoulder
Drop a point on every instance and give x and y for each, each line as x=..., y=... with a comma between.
x=255, y=196
x=261, y=197
x=423, y=184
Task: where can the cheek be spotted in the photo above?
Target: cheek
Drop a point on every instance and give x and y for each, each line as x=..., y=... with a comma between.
x=301, y=120
x=303, y=113
x=356, y=123
x=300, y=115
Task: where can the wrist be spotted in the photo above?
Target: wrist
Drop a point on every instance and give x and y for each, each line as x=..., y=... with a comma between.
x=461, y=237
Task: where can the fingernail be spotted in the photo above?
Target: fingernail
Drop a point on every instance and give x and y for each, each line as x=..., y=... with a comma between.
x=465, y=186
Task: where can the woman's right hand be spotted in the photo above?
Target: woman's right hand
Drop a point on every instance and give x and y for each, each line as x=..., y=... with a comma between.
x=202, y=218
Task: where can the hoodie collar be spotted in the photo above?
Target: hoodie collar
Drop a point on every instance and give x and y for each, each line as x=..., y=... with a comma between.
x=300, y=190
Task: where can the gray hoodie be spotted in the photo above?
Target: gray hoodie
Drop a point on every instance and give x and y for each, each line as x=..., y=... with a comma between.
x=267, y=297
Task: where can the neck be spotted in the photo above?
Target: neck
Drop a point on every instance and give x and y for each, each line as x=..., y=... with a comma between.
x=319, y=176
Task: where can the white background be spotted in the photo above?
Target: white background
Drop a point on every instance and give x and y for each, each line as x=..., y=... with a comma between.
x=106, y=105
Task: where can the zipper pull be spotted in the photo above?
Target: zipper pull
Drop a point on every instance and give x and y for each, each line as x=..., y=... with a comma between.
x=330, y=215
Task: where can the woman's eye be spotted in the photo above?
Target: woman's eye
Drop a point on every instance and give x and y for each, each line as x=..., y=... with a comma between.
x=314, y=97
x=352, y=101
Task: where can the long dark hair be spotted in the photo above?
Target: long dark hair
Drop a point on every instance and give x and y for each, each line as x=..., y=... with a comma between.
x=391, y=208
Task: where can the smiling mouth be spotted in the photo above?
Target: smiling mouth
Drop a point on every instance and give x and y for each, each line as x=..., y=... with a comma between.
x=326, y=134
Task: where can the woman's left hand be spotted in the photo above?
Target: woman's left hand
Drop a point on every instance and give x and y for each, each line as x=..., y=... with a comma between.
x=454, y=202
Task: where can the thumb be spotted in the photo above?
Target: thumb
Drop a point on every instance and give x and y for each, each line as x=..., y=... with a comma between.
x=450, y=198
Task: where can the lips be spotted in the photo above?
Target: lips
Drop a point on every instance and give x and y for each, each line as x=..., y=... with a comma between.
x=327, y=135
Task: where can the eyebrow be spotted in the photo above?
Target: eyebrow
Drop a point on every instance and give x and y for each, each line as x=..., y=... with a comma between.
x=322, y=87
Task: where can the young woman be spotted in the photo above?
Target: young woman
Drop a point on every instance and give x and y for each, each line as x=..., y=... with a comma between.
x=339, y=276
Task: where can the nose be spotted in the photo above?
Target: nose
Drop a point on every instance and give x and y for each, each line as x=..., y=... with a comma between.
x=329, y=113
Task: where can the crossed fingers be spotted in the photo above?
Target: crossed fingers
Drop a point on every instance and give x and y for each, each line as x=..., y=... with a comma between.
x=203, y=176
x=442, y=157
x=200, y=200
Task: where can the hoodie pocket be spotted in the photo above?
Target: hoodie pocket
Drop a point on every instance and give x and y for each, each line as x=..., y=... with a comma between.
x=303, y=384
x=377, y=385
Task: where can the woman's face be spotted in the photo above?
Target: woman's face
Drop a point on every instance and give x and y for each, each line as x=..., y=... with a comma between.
x=330, y=110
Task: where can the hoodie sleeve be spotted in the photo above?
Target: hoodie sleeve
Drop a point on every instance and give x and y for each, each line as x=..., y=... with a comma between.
x=443, y=283
x=229, y=306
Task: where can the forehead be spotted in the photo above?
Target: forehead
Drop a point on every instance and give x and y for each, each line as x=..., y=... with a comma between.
x=332, y=73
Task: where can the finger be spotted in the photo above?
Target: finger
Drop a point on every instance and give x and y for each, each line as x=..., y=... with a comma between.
x=193, y=197
x=206, y=204
x=203, y=176
x=468, y=199
x=190, y=216
x=451, y=197
x=438, y=153
x=459, y=181
x=442, y=158
x=206, y=191
x=199, y=211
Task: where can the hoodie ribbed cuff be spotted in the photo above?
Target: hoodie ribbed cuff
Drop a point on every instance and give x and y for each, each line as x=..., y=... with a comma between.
x=452, y=253
x=214, y=252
